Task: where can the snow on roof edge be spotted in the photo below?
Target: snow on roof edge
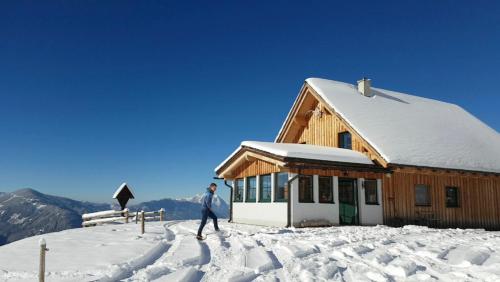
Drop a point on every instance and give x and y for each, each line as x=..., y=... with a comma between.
x=227, y=159
x=318, y=90
x=323, y=153
x=308, y=81
x=289, y=113
x=315, y=83
x=120, y=189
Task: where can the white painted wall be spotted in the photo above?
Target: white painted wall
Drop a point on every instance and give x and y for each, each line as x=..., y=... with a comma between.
x=275, y=214
x=272, y=214
x=314, y=211
x=370, y=214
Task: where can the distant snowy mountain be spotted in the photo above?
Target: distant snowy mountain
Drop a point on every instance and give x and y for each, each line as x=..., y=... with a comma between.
x=187, y=208
x=27, y=212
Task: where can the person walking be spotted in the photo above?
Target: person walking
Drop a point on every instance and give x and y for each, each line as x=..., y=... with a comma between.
x=206, y=210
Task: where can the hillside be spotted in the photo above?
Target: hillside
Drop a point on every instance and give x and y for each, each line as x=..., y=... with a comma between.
x=169, y=252
x=27, y=212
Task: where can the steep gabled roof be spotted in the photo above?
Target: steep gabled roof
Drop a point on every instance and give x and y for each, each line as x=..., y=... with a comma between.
x=412, y=130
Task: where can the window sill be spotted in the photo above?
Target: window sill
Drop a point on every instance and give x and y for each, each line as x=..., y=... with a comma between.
x=312, y=202
x=266, y=201
x=327, y=203
x=372, y=204
x=280, y=201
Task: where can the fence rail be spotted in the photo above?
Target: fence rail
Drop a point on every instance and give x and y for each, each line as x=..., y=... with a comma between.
x=96, y=218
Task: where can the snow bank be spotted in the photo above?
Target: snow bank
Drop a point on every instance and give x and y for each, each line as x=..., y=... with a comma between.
x=83, y=254
x=169, y=252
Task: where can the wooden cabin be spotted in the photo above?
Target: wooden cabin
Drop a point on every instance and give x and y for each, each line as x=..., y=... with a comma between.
x=358, y=155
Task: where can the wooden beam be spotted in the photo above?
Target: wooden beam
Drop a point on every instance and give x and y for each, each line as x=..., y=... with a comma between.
x=247, y=157
x=300, y=121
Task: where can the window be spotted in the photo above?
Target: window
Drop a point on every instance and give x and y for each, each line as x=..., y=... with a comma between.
x=265, y=188
x=422, y=195
x=280, y=186
x=238, y=190
x=452, y=197
x=251, y=187
x=371, y=193
x=306, y=189
x=325, y=189
x=345, y=140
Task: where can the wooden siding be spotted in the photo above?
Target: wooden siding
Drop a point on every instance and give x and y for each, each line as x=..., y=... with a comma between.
x=479, y=199
x=254, y=167
x=323, y=130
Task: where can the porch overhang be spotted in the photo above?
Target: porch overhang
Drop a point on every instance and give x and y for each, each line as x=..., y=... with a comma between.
x=297, y=156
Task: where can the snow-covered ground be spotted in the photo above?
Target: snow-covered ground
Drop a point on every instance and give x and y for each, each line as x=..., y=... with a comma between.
x=169, y=252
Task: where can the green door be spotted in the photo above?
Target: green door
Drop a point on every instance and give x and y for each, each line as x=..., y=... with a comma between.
x=348, y=201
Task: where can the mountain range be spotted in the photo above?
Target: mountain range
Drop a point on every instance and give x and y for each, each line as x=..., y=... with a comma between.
x=27, y=212
x=182, y=209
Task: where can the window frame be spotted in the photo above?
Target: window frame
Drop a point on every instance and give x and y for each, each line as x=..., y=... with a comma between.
x=276, y=188
x=261, y=199
x=429, y=196
x=310, y=177
x=332, y=201
x=377, y=202
x=341, y=140
x=247, y=189
x=458, y=202
x=237, y=188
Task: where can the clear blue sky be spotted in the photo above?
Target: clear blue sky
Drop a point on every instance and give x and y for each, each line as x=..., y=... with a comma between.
x=94, y=93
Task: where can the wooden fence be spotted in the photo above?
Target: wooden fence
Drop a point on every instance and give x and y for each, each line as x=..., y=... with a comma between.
x=97, y=218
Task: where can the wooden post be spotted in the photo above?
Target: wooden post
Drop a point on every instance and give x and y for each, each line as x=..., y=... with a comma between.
x=126, y=215
x=136, y=216
x=162, y=213
x=41, y=269
x=142, y=222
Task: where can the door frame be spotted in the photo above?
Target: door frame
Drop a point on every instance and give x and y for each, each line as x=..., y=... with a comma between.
x=355, y=190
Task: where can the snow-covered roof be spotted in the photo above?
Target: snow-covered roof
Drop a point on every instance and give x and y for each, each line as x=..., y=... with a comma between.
x=304, y=151
x=412, y=130
x=121, y=188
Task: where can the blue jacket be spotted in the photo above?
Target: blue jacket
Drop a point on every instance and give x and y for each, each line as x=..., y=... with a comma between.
x=206, y=202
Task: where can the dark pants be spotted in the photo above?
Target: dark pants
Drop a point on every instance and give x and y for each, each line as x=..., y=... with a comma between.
x=205, y=214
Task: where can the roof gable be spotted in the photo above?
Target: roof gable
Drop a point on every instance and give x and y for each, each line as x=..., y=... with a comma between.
x=410, y=130
x=124, y=187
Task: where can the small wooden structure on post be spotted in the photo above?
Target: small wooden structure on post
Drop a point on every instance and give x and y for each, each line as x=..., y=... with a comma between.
x=123, y=194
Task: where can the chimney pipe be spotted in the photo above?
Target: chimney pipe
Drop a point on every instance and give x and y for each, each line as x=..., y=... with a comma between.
x=364, y=86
